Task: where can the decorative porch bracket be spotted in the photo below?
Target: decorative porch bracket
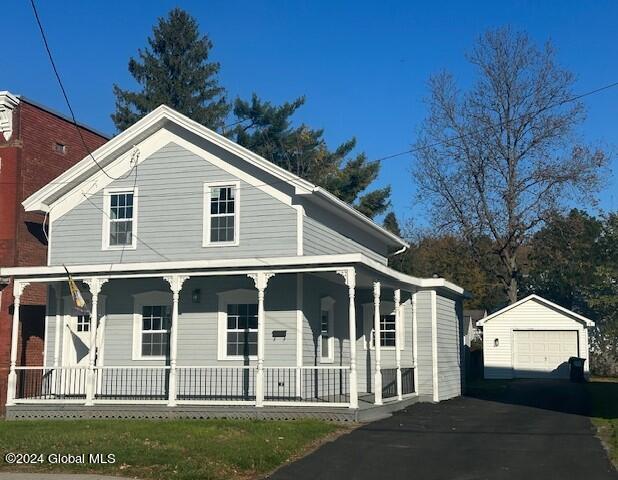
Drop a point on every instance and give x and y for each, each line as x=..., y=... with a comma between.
x=175, y=282
x=349, y=276
x=18, y=289
x=94, y=285
x=260, y=280
x=377, y=338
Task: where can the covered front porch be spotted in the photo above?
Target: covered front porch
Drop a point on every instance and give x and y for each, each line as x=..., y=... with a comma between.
x=220, y=341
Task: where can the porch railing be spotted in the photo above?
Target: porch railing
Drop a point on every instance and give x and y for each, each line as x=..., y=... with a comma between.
x=131, y=383
x=326, y=385
x=312, y=384
x=44, y=383
x=219, y=384
x=389, y=382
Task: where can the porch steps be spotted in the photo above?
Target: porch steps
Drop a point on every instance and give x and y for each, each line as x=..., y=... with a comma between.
x=367, y=412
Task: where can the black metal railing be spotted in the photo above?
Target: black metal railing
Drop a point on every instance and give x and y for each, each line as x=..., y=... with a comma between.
x=307, y=384
x=389, y=382
x=407, y=380
x=215, y=383
x=136, y=383
x=47, y=383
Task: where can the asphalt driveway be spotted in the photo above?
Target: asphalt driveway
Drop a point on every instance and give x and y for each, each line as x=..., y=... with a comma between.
x=525, y=430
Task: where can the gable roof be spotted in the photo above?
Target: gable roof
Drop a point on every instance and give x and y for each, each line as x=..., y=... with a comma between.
x=544, y=301
x=43, y=199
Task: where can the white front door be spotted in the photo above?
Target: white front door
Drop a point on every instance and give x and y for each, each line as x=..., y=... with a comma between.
x=544, y=353
x=75, y=354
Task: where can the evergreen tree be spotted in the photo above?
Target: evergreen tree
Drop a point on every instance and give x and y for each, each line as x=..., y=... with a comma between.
x=391, y=223
x=267, y=130
x=174, y=70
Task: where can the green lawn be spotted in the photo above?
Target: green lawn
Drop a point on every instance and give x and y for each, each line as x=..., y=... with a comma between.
x=604, y=412
x=182, y=449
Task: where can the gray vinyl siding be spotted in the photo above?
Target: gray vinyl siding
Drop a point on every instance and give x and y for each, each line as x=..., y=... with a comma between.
x=450, y=341
x=170, y=217
x=318, y=239
x=314, y=289
x=424, y=350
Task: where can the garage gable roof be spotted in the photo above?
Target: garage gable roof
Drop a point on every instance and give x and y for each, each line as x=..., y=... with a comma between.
x=544, y=301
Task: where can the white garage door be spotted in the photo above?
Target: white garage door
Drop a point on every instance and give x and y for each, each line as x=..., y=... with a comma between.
x=544, y=353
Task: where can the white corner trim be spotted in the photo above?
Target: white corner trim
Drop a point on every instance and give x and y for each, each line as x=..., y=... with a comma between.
x=208, y=186
x=154, y=297
x=300, y=229
x=106, y=218
x=239, y=295
x=434, y=345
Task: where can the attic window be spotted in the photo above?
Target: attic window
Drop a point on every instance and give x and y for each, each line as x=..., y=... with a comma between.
x=60, y=148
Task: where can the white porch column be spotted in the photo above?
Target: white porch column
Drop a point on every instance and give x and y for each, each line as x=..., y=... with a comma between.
x=58, y=331
x=398, y=332
x=94, y=284
x=260, y=279
x=377, y=338
x=300, y=318
x=18, y=289
x=349, y=275
x=175, y=282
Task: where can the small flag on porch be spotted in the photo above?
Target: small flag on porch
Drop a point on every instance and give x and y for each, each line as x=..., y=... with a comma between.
x=78, y=300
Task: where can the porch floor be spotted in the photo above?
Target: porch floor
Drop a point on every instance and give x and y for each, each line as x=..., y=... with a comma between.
x=367, y=411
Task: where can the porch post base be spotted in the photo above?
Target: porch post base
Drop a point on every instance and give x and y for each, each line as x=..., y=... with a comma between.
x=378, y=388
x=399, y=385
x=10, y=389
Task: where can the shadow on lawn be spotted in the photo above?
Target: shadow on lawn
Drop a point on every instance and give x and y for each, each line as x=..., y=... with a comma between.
x=592, y=399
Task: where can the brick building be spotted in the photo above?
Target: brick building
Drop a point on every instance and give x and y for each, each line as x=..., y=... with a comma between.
x=36, y=145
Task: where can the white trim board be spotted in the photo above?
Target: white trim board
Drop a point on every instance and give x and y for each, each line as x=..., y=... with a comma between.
x=295, y=263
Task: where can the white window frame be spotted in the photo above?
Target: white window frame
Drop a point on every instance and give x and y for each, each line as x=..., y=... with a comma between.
x=141, y=300
x=239, y=296
x=207, y=216
x=107, y=193
x=386, y=308
x=327, y=304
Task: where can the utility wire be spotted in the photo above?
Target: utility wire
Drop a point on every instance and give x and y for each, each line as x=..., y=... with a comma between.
x=65, y=95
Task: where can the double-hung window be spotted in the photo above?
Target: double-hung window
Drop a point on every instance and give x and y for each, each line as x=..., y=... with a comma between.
x=83, y=323
x=388, y=330
x=242, y=330
x=221, y=216
x=120, y=219
x=155, y=330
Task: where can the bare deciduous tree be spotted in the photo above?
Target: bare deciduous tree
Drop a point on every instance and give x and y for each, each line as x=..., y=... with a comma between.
x=498, y=159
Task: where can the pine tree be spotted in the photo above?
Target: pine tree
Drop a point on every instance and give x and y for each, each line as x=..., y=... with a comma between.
x=174, y=70
x=267, y=130
x=391, y=224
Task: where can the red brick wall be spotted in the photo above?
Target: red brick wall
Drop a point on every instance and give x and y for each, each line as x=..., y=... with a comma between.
x=28, y=162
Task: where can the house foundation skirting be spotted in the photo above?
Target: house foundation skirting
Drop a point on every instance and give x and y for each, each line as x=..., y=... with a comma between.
x=366, y=412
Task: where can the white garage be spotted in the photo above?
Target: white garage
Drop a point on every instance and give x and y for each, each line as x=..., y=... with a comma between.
x=533, y=338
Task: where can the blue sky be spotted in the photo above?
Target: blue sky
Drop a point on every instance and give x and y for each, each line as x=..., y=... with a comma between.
x=363, y=66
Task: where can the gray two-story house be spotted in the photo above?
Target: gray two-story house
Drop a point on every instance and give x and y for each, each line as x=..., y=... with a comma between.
x=217, y=283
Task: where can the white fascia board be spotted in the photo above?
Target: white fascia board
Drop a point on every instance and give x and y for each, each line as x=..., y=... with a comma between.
x=544, y=301
x=296, y=262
